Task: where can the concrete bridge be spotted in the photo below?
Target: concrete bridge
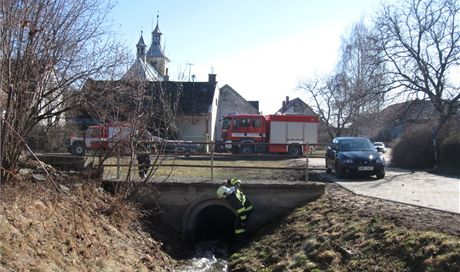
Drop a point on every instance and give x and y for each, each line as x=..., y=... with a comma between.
x=193, y=209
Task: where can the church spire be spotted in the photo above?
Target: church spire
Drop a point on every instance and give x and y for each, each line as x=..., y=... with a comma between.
x=155, y=55
x=157, y=31
x=141, y=48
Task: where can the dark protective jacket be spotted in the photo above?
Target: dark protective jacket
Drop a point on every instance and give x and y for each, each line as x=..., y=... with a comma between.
x=239, y=202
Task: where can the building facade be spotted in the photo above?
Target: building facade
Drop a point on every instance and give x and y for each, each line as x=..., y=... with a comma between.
x=231, y=102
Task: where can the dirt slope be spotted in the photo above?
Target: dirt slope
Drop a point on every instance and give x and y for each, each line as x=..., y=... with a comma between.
x=84, y=229
x=345, y=232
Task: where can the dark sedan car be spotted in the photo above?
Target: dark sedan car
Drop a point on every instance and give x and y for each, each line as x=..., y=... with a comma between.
x=354, y=155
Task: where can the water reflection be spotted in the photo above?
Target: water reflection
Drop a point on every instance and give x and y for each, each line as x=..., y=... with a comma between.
x=209, y=257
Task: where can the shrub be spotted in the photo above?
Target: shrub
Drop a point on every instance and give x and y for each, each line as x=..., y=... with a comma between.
x=450, y=152
x=414, y=150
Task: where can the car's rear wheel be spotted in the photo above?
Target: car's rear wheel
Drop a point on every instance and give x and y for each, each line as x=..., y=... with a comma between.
x=328, y=170
x=338, y=171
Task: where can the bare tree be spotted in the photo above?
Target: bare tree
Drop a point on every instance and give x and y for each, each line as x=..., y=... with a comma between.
x=145, y=108
x=356, y=90
x=332, y=102
x=48, y=48
x=421, y=43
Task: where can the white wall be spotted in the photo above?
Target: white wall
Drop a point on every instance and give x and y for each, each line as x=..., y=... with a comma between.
x=192, y=128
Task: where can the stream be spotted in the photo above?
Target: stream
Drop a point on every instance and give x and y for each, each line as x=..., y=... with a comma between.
x=210, y=256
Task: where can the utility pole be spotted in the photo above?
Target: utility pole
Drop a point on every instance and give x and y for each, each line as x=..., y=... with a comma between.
x=189, y=69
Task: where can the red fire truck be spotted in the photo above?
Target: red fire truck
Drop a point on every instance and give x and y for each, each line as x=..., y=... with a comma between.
x=106, y=136
x=249, y=133
x=99, y=137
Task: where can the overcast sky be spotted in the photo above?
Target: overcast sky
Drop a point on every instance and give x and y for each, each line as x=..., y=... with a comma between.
x=261, y=48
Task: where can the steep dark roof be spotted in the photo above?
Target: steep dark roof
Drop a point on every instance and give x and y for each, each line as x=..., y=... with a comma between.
x=155, y=49
x=141, y=41
x=157, y=30
x=191, y=97
x=194, y=97
x=255, y=104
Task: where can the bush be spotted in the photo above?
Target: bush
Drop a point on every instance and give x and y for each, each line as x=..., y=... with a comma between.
x=414, y=150
x=450, y=152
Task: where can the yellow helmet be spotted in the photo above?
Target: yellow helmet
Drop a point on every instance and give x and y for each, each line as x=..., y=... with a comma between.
x=234, y=182
x=221, y=191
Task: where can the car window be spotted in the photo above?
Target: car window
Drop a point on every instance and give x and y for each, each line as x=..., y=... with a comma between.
x=335, y=146
x=356, y=145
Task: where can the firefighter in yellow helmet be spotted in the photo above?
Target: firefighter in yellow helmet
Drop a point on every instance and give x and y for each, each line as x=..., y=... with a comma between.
x=238, y=200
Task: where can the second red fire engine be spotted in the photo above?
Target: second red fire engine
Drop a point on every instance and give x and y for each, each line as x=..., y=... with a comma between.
x=250, y=133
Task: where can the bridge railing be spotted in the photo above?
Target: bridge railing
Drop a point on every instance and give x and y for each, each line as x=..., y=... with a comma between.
x=209, y=163
x=186, y=158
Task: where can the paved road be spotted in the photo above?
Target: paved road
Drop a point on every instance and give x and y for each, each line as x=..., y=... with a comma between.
x=416, y=188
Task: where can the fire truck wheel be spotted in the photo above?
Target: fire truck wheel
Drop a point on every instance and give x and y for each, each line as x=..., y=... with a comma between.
x=78, y=148
x=294, y=150
x=246, y=149
x=235, y=150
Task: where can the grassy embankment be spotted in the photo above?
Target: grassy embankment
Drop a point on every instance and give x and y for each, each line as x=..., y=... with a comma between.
x=83, y=229
x=325, y=236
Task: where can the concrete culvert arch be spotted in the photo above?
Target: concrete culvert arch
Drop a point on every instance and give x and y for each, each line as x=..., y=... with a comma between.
x=210, y=220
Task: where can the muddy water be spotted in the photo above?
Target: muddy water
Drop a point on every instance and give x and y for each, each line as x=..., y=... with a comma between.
x=209, y=257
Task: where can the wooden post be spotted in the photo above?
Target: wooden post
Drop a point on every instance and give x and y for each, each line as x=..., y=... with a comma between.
x=118, y=164
x=1, y=143
x=306, y=162
x=212, y=161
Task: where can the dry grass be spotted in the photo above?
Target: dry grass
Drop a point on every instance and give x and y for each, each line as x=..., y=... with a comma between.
x=84, y=230
x=205, y=172
x=329, y=236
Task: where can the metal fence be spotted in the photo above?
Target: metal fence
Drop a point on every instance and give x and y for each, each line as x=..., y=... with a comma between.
x=178, y=160
x=217, y=165
x=48, y=141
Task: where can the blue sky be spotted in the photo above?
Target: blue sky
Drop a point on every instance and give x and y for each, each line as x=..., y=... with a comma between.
x=261, y=48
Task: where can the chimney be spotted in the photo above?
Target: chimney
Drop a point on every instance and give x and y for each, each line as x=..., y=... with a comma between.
x=166, y=76
x=212, y=78
x=287, y=100
x=283, y=108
